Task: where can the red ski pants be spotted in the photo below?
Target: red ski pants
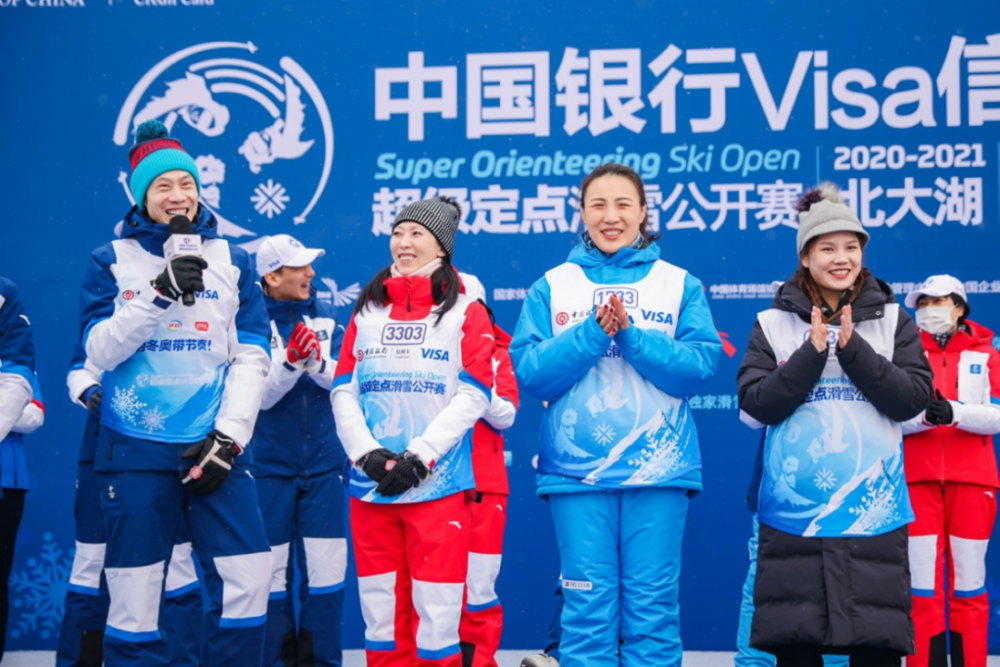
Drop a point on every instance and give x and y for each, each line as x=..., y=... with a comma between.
x=953, y=522
x=412, y=560
x=482, y=616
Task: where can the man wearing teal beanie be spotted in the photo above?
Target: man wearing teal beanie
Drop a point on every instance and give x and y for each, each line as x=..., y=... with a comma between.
x=182, y=381
x=154, y=154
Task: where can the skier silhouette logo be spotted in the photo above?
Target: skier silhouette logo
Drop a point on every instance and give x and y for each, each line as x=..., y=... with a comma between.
x=261, y=133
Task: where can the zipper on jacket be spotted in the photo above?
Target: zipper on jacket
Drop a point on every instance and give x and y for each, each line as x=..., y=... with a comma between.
x=407, y=300
x=943, y=437
x=111, y=442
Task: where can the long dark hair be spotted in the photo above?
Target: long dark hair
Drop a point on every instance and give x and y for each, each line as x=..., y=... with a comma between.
x=444, y=290
x=615, y=169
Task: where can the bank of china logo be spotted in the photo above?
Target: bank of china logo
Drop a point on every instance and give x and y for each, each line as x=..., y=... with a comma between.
x=262, y=138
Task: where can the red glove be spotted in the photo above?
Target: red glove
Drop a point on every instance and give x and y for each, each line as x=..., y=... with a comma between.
x=303, y=350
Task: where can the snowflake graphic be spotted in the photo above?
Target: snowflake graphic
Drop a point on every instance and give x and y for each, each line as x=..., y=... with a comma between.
x=604, y=434
x=269, y=198
x=877, y=509
x=41, y=590
x=825, y=479
x=126, y=405
x=152, y=420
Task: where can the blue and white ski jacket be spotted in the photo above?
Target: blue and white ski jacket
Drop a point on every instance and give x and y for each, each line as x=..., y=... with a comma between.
x=83, y=380
x=172, y=373
x=295, y=433
x=20, y=400
x=617, y=412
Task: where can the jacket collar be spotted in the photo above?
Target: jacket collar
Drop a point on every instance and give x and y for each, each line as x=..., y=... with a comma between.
x=869, y=305
x=295, y=309
x=960, y=340
x=624, y=258
x=151, y=235
x=409, y=297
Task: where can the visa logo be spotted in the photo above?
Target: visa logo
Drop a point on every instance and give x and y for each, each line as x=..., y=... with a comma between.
x=657, y=316
x=436, y=355
x=207, y=294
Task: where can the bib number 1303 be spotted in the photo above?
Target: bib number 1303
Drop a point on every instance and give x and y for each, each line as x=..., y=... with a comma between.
x=404, y=334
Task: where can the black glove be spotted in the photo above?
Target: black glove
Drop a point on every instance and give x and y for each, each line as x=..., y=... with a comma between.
x=92, y=399
x=377, y=464
x=214, y=459
x=182, y=274
x=940, y=411
x=407, y=474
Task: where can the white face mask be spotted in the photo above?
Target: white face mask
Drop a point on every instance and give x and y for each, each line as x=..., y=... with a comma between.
x=935, y=319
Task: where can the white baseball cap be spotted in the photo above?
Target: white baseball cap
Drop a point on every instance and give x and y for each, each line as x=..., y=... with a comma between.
x=939, y=285
x=283, y=250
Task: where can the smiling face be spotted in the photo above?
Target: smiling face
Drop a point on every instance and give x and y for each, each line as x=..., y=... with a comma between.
x=172, y=193
x=612, y=212
x=290, y=283
x=413, y=247
x=834, y=262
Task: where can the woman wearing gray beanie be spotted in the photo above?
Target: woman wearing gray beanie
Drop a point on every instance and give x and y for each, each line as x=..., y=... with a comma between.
x=831, y=369
x=414, y=376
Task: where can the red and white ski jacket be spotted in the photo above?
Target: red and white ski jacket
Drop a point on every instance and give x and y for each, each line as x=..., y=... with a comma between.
x=967, y=373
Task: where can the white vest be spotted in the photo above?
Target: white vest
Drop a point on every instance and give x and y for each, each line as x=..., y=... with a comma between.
x=614, y=429
x=170, y=390
x=834, y=468
x=407, y=373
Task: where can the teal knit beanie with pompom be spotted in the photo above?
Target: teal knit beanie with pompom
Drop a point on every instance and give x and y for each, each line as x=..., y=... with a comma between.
x=154, y=153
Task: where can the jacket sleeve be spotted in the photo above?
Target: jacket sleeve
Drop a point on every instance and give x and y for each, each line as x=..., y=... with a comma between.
x=900, y=389
x=352, y=428
x=17, y=358
x=281, y=377
x=82, y=376
x=249, y=356
x=676, y=365
x=769, y=393
x=548, y=367
x=324, y=376
x=983, y=419
x=472, y=399
x=504, y=399
x=111, y=336
x=33, y=415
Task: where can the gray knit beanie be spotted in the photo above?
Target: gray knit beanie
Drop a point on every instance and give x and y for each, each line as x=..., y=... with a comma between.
x=821, y=211
x=439, y=215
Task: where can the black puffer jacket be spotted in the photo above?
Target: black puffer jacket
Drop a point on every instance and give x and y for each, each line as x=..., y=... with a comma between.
x=900, y=389
x=838, y=593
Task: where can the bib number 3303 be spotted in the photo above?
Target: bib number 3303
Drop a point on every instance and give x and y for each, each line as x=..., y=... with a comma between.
x=404, y=334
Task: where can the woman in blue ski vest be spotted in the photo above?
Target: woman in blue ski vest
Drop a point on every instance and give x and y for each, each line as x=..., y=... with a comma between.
x=615, y=340
x=832, y=368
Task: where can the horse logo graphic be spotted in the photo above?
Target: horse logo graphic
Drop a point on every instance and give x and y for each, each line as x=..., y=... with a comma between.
x=261, y=136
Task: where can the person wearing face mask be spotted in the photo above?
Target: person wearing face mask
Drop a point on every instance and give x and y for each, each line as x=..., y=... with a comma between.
x=951, y=470
x=831, y=369
x=298, y=461
x=414, y=376
x=615, y=340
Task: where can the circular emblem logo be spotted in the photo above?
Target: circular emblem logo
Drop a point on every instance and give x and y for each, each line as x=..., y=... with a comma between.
x=173, y=325
x=562, y=318
x=361, y=355
x=128, y=295
x=256, y=125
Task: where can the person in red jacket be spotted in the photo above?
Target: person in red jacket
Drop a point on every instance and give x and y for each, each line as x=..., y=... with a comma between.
x=951, y=472
x=482, y=615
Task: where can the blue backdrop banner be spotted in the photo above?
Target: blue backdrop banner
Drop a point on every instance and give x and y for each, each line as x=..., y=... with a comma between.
x=323, y=119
